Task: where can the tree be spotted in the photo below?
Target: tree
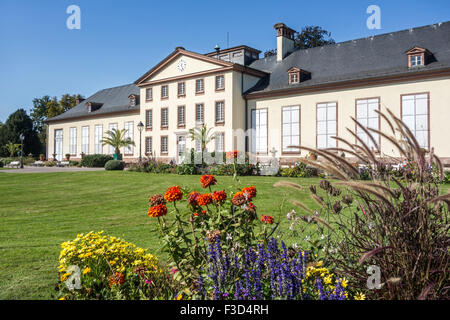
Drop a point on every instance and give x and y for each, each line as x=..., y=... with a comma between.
x=17, y=123
x=116, y=139
x=309, y=37
x=201, y=134
x=48, y=107
x=12, y=148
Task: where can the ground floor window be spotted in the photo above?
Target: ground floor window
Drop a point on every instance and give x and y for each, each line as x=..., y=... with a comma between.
x=164, y=145
x=73, y=141
x=366, y=115
x=85, y=140
x=290, y=129
x=219, y=140
x=58, y=144
x=98, y=136
x=326, y=125
x=129, y=134
x=111, y=127
x=259, y=131
x=148, y=146
x=415, y=114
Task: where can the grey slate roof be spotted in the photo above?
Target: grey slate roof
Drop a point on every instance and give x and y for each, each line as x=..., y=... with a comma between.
x=380, y=55
x=112, y=99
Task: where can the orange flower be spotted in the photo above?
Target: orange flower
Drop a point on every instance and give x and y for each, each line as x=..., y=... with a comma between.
x=219, y=196
x=203, y=213
x=238, y=199
x=157, y=211
x=117, y=278
x=250, y=192
x=232, y=154
x=266, y=219
x=173, y=194
x=207, y=180
x=192, y=198
x=204, y=199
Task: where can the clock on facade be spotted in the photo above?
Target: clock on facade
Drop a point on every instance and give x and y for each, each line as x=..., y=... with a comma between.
x=181, y=65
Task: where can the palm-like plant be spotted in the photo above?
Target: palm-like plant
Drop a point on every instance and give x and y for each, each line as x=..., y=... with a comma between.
x=12, y=148
x=202, y=134
x=116, y=139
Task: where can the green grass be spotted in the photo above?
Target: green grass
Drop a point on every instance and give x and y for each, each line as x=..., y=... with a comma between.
x=40, y=211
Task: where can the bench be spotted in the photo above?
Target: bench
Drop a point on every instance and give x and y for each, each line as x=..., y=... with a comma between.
x=38, y=163
x=63, y=164
x=13, y=164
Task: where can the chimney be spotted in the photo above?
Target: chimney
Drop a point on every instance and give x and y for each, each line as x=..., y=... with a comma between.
x=78, y=101
x=285, y=40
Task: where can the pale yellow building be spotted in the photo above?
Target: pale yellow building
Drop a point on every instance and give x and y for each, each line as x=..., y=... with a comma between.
x=293, y=97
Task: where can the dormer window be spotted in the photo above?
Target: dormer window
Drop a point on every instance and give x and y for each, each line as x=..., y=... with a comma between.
x=132, y=101
x=417, y=57
x=294, y=75
x=88, y=107
x=93, y=106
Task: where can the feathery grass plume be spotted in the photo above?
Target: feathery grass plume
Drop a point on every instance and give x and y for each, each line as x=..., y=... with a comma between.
x=367, y=132
x=400, y=222
x=288, y=184
x=301, y=205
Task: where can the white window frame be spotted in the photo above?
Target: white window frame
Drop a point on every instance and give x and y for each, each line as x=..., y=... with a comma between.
x=148, y=145
x=166, y=91
x=149, y=94
x=149, y=118
x=129, y=133
x=220, y=111
x=220, y=84
x=220, y=142
x=290, y=129
x=181, y=88
x=98, y=136
x=259, y=131
x=112, y=126
x=417, y=117
x=182, y=117
x=73, y=141
x=166, y=149
x=85, y=139
x=326, y=120
x=199, y=86
x=164, y=118
x=366, y=115
x=199, y=114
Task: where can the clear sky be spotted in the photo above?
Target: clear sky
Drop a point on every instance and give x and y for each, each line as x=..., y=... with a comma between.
x=120, y=40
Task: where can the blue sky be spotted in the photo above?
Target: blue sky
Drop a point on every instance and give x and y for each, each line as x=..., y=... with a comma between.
x=121, y=40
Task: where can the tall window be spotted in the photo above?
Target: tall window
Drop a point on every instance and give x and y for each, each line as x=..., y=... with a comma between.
x=416, y=60
x=181, y=121
x=220, y=82
x=199, y=86
x=58, y=144
x=199, y=114
x=164, y=92
x=164, y=145
x=326, y=125
x=98, y=136
x=198, y=145
x=149, y=119
x=366, y=115
x=219, y=140
x=291, y=129
x=259, y=132
x=85, y=140
x=129, y=133
x=164, y=118
x=73, y=141
x=148, y=94
x=415, y=115
x=220, y=112
x=148, y=145
x=111, y=127
x=181, y=88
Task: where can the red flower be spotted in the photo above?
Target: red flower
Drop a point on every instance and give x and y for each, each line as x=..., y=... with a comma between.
x=207, y=180
x=203, y=213
x=157, y=211
x=192, y=198
x=156, y=199
x=204, y=199
x=173, y=194
x=250, y=192
x=266, y=219
x=219, y=196
x=117, y=278
x=238, y=199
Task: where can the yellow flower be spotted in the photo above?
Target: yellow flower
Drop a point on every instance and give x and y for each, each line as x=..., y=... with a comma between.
x=178, y=297
x=360, y=296
x=62, y=298
x=86, y=270
x=65, y=276
x=344, y=283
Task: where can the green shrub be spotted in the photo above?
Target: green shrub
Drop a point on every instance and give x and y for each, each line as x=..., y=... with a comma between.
x=114, y=165
x=446, y=177
x=187, y=169
x=299, y=170
x=95, y=160
x=1, y=164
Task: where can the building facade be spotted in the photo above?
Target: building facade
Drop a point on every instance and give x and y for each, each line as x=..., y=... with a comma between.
x=267, y=105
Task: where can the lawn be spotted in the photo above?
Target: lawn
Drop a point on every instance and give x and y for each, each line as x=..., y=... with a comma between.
x=40, y=211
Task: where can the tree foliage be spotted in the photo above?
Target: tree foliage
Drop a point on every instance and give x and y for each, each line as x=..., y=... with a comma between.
x=309, y=37
x=116, y=139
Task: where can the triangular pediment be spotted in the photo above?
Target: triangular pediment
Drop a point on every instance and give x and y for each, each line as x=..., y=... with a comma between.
x=182, y=63
x=416, y=50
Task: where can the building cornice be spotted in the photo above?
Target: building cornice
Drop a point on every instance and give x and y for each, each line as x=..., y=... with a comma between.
x=93, y=116
x=348, y=84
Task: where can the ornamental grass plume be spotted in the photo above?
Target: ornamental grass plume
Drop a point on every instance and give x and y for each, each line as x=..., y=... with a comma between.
x=400, y=223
